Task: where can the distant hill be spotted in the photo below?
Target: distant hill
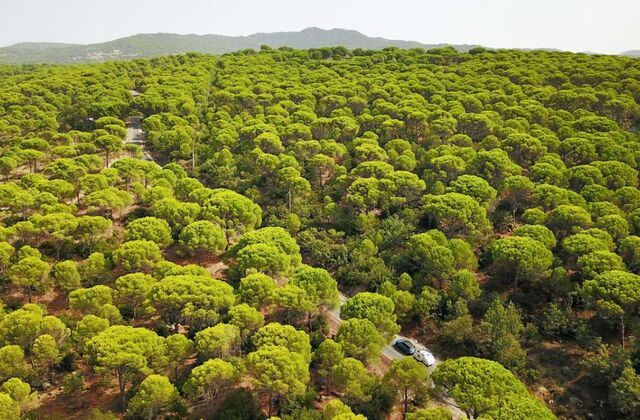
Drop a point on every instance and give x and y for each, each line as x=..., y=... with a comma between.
x=151, y=45
x=631, y=53
x=40, y=46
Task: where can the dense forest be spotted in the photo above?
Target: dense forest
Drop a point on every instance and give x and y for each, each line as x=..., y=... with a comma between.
x=290, y=212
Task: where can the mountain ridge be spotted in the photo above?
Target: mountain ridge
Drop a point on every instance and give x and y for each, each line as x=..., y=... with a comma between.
x=146, y=45
x=162, y=43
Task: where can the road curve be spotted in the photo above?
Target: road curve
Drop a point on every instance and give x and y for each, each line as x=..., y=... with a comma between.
x=390, y=353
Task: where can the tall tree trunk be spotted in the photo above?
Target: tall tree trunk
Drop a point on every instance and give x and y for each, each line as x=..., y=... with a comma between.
x=278, y=397
x=122, y=386
x=193, y=157
x=405, y=403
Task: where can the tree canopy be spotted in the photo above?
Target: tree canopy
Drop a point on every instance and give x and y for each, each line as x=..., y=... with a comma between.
x=251, y=230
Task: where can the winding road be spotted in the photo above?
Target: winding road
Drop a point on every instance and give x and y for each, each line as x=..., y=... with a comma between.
x=390, y=353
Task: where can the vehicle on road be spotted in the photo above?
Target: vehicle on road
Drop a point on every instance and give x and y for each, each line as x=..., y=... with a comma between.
x=425, y=357
x=404, y=346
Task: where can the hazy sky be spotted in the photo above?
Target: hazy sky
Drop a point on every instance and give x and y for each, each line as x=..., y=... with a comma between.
x=609, y=26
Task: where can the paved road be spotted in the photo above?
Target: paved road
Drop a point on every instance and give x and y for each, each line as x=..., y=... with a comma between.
x=391, y=353
x=136, y=136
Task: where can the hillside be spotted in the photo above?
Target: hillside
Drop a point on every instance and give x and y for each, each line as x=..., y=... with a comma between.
x=152, y=45
x=631, y=53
